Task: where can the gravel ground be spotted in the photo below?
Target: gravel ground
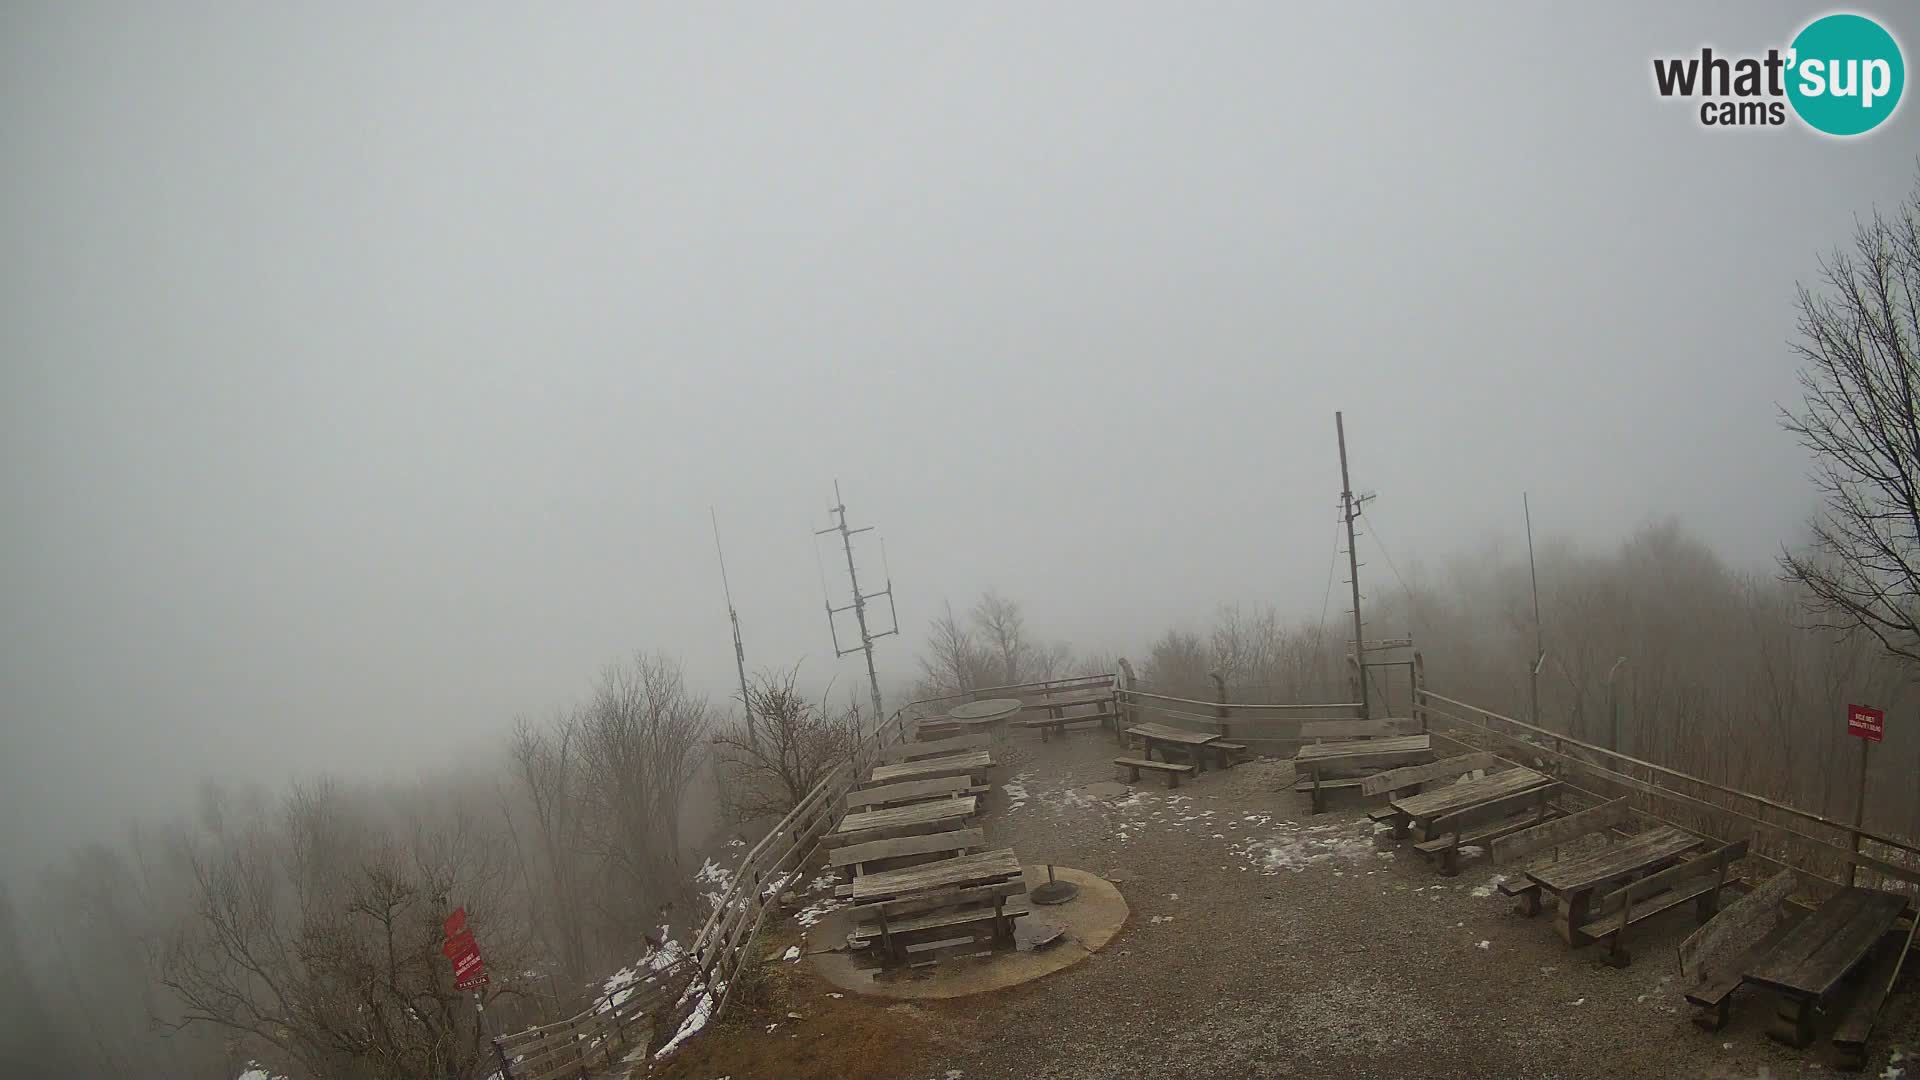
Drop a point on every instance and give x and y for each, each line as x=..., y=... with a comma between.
x=1268, y=942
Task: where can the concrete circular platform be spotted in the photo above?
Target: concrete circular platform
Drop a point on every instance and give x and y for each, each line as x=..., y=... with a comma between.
x=1088, y=922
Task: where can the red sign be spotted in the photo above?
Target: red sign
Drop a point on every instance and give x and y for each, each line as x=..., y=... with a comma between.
x=1865, y=723
x=463, y=952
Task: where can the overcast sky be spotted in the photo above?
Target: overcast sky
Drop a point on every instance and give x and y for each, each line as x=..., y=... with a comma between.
x=367, y=371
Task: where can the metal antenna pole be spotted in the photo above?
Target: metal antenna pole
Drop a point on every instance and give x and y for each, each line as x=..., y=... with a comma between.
x=859, y=604
x=1351, y=510
x=1539, y=640
x=739, y=649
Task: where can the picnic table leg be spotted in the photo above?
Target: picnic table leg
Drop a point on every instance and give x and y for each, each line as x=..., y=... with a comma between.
x=1316, y=802
x=1400, y=824
x=1529, y=904
x=1573, y=915
x=1793, y=1023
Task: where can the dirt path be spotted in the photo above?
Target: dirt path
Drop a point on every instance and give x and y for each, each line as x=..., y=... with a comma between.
x=1265, y=942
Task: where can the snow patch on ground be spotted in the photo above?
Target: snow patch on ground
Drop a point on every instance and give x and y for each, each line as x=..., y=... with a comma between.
x=1016, y=790
x=1485, y=889
x=792, y=953
x=255, y=1072
x=718, y=877
x=1295, y=847
x=818, y=910
x=695, y=1021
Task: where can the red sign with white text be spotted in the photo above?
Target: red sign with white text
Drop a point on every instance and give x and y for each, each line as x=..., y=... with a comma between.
x=1865, y=723
x=463, y=952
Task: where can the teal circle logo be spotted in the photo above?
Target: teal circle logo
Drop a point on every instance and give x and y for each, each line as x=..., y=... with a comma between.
x=1845, y=74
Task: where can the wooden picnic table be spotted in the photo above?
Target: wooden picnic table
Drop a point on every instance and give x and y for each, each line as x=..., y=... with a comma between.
x=1809, y=962
x=1166, y=737
x=938, y=898
x=970, y=716
x=971, y=763
x=938, y=815
x=1366, y=753
x=1575, y=878
x=958, y=872
x=1420, y=811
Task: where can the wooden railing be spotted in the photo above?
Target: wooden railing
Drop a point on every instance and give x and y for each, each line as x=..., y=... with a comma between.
x=1785, y=835
x=1268, y=728
x=618, y=1022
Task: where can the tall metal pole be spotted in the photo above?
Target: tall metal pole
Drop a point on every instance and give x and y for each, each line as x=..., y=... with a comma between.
x=1350, y=511
x=1539, y=641
x=739, y=649
x=859, y=605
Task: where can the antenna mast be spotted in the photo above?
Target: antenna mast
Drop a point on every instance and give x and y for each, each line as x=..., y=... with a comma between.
x=739, y=650
x=859, y=604
x=1350, y=510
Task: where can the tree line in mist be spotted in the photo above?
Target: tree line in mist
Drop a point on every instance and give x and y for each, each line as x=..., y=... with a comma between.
x=302, y=928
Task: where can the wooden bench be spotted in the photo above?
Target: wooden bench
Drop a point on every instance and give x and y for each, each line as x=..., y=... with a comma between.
x=1345, y=763
x=1413, y=778
x=1172, y=770
x=857, y=859
x=1486, y=823
x=1718, y=954
x=1228, y=753
x=1880, y=974
x=1553, y=834
x=1698, y=880
x=1341, y=730
x=1013, y=907
x=940, y=787
x=1057, y=725
x=913, y=751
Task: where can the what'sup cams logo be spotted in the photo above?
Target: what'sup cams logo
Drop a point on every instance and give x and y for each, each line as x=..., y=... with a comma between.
x=1841, y=75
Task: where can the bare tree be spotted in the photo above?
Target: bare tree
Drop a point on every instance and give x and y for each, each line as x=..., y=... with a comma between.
x=1860, y=341
x=954, y=662
x=643, y=736
x=798, y=745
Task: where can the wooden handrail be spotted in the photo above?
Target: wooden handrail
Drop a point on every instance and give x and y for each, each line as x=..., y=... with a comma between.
x=1678, y=775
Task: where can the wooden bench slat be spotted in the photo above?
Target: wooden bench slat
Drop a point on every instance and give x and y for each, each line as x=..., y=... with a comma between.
x=1673, y=896
x=1148, y=763
x=1358, y=729
x=1557, y=833
x=1877, y=980
x=939, y=920
x=910, y=791
x=1716, y=987
x=1445, y=769
x=911, y=751
x=915, y=905
x=926, y=844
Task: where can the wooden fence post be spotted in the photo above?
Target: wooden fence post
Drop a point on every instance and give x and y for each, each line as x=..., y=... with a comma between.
x=1127, y=709
x=506, y=1067
x=1220, y=710
x=1420, y=690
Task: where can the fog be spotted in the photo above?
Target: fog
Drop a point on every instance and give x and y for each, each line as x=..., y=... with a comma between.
x=368, y=373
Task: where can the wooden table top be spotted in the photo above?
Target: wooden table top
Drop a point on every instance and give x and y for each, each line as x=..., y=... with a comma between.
x=911, y=814
x=1616, y=860
x=1396, y=744
x=965, y=870
x=1467, y=793
x=1827, y=944
x=1165, y=733
x=928, y=768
